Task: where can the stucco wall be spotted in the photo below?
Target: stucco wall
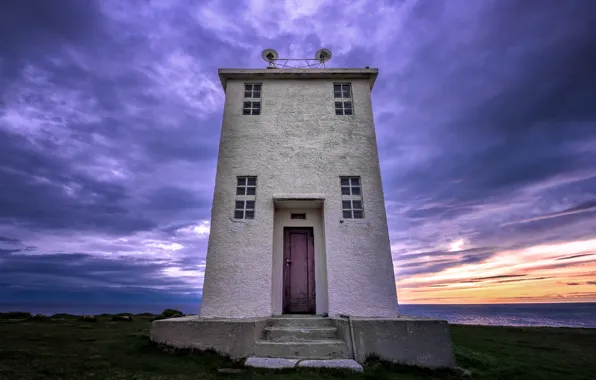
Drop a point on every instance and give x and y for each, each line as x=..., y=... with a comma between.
x=298, y=145
x=314, y=219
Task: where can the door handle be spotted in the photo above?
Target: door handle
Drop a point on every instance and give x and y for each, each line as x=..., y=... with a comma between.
x=288, y=262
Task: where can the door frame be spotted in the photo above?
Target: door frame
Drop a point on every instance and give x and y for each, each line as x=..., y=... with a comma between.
x=310, y=275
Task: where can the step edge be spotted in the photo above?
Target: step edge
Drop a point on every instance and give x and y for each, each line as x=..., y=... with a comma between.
x=298, y=328
x=301, y=342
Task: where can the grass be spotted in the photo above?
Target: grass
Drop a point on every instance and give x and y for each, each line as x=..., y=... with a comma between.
x=66, y=347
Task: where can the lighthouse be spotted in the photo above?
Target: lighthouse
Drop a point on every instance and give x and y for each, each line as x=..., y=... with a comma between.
x=299, y=259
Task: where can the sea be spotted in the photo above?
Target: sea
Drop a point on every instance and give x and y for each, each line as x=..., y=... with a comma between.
x=534, y=314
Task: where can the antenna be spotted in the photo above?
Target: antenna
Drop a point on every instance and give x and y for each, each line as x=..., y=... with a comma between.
x=271, y=56
x=323, y=55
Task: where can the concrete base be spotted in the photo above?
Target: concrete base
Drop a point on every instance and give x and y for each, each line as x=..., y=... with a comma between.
x=233, y=337
x=403, y=339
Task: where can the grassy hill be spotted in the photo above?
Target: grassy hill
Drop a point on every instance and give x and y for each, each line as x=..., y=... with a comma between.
x=113, y=347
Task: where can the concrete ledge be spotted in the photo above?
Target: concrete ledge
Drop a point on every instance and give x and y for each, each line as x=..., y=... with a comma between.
x=335, y=73
x=333, y=363
x=281, y=363
x=233, y=337
x=270, y=363
x=416, y=341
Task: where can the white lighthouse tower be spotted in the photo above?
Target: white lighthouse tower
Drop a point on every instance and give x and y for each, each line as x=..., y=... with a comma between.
x=299, y=231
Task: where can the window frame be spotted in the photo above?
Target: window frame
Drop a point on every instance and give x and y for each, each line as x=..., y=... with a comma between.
x=343, y=103
x=352, y=202
x=251, y=104
x=352, y=209
x=244, y=209
x=245, y=186
x=354, y=182
x=245, y=199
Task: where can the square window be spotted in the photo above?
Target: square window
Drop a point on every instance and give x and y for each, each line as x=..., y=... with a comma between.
x=358, y=214
x=347, y=111
x=240, y=190
x=246, y=105
x=241, y=181
x=248, y=87
x=355, y=181
x=357, y=205
x=250, y=214
x=345, y=191
x=346, y=205
x=250, y=205
x=256, y=94
x=339, y=111
x=345, y=181
x=251, y=181
x=239, y=214
x=256, y=87
x=240, y=205
x=247, y=94
x=251, y=190
x=355, y=190
x=246, y=111
x=347, y=214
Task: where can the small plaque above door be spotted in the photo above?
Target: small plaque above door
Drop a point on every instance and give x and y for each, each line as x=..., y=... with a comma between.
x=298, y=216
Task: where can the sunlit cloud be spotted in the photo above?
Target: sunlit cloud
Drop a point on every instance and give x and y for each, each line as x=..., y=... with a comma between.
x=456, y=245
x=532, y=274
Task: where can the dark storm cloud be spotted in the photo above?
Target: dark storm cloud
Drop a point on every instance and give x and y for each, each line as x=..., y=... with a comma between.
x=436, y=261
x=586, y=209
x=29, y=29
x=501, y=277
x=33, y=191
x=497, y=126
x=524, y=279
x=78, y=270
x=576, y=256
x=545, y=90
x=9, y=240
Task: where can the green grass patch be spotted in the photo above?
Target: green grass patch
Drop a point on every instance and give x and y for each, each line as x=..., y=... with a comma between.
x=62, y=346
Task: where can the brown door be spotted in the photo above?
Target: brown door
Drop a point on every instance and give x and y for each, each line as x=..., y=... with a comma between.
x=299, y=271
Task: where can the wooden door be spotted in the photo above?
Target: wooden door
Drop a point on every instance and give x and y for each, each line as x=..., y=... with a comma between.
x=299, y=271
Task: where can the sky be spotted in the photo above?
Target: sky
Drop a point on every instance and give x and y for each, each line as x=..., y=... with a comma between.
x=110, y=114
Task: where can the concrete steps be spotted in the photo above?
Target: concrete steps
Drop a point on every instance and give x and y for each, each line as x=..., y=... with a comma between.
x=301, y=337
x=299, y=321
x=315, y=349
x=299, y=334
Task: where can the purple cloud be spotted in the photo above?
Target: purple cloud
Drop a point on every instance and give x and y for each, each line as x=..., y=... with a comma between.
x=110, y=114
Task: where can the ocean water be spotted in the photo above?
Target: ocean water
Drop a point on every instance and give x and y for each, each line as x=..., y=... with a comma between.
x=543, y=314
x=552, y=314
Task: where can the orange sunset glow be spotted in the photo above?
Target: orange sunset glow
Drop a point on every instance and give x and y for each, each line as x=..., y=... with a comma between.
x=564, y=272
